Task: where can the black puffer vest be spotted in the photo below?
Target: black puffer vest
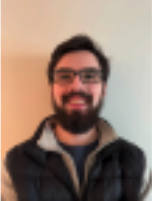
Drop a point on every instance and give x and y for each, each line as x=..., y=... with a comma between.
x=39, y=175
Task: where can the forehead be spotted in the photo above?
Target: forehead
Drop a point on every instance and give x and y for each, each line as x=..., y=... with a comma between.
x=78, y=60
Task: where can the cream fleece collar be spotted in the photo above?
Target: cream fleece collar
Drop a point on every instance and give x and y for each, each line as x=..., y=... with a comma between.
x=48, y=141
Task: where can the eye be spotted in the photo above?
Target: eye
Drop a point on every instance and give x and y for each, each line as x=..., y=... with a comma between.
x=65, y=76
x=89, y=75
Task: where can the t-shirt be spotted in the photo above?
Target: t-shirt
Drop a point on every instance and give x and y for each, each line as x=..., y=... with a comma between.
x=79, y=154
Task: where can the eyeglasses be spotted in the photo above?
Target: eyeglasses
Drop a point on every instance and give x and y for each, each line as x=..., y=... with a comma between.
x=65, y=75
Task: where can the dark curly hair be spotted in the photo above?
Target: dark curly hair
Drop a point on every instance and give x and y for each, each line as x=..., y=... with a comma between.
x=78, y=43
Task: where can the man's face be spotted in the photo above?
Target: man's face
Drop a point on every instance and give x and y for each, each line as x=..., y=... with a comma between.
x=78, y=103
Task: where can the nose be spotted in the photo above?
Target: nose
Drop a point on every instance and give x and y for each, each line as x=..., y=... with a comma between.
x=77, y=83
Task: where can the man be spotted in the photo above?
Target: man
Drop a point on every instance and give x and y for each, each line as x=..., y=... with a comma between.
x=74, y=154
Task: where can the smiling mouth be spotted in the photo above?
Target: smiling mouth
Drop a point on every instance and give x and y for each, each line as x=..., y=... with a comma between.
x=76, y=103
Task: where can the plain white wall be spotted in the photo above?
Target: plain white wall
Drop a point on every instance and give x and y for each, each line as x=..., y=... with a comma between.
x=30, y=31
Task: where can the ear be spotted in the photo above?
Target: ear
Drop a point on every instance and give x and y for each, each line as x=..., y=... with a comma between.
x=104, y=89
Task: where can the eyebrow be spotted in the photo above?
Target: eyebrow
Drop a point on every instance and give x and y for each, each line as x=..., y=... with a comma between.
x=64, y=69
x=68, y=69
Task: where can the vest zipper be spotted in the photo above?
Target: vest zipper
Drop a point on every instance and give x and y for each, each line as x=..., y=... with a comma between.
x=88, y=165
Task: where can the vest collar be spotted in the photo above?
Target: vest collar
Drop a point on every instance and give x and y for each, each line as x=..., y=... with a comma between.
x=49, y=142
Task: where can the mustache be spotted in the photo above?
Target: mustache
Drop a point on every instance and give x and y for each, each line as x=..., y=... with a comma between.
x=88, y=98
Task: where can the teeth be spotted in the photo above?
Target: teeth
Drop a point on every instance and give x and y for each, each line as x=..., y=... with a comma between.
x=77, y=101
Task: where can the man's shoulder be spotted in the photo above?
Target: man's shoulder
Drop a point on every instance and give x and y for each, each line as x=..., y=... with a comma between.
x=130, y=148
x=132, y=157
x=18, y=149
x=14, y=154
x=119, y=144
x=126, y=151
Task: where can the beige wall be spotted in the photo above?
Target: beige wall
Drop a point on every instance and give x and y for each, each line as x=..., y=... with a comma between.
x=25, y=98
x=30, y=30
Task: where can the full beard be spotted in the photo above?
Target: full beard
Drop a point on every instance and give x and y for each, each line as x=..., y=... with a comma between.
x=78, y=122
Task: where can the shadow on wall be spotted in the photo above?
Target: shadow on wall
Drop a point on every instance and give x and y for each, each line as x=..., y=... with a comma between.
x=25, y=98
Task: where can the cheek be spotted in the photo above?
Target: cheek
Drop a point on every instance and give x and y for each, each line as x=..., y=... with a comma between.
x=96, y=93
x=57, y=93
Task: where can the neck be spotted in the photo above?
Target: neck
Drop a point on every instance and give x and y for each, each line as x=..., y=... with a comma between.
x=75, y=139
